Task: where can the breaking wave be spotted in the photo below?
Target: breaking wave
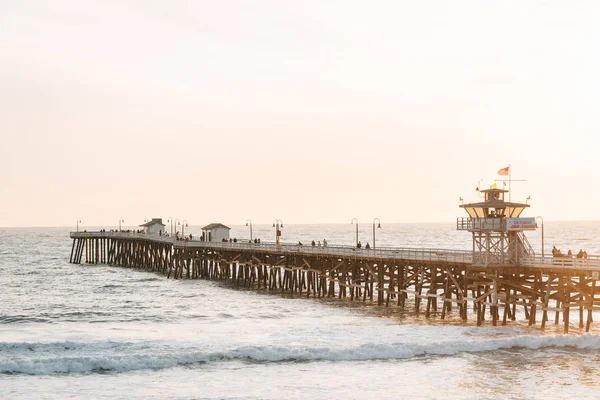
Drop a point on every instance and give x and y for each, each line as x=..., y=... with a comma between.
x=75, y=357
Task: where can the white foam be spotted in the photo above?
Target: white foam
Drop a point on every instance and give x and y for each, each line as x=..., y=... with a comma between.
x=53, y=358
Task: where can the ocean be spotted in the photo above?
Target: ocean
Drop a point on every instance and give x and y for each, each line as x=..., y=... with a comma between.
x=95, y=331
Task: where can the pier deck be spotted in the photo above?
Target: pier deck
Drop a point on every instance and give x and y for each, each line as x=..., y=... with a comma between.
x=437, y=281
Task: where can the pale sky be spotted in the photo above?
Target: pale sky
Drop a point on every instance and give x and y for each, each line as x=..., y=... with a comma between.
x=308, y=111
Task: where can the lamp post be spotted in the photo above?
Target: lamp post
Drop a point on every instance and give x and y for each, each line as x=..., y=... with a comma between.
x=355, y=221
x=78, y=222
x=542, y=233
x=277, y=223
x=120, y=220
x=171, y=221
x=175, y=225
x=249, y=223
x=378, y=226
x=184, y=224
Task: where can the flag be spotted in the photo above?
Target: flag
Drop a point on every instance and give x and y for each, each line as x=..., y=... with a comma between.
x=504, y=171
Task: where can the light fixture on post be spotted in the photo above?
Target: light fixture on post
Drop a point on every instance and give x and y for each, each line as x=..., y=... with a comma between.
x=120, y=220
x=249, y=223
x=184, y=224
x=78, y=222
x=542, y=232
x=355, y=221
x=277, y=224
x=378, y=226
x=171, y=221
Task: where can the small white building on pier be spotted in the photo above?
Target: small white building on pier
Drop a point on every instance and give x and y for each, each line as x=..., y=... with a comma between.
x=215, y=232
x=153, y=227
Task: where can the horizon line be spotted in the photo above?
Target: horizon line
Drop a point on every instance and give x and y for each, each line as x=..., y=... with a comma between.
x=289, y=223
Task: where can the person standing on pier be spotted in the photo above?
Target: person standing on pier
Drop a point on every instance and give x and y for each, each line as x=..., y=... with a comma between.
x=313, y=244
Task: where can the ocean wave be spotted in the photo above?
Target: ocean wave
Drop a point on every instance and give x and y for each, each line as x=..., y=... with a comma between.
x=74, y=357
x=19, y=319
x=80, y=316
x=147, y=279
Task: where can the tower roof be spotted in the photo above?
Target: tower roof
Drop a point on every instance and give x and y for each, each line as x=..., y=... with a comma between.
x=494, y=204
x=493, y=190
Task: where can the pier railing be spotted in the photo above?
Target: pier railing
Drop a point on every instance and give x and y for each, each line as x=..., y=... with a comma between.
x=592, y=262
x=404, y=253
x=417, y=254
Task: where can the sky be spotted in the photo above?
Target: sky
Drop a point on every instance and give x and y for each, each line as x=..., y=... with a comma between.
x=308, y=111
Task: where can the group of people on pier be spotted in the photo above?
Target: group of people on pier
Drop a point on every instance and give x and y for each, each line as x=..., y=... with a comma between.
x=359, y=245
x=557, y=253
x=316, y=244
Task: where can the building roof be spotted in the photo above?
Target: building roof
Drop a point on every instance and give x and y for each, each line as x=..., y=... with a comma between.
x=154, y=222
x=494, y=204
x=495, y=190
x=213, y=226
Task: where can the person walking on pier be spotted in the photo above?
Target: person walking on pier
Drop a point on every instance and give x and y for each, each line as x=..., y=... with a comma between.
x=313, y=244
x=368, y=246
x=324, y=242
x=358, y=245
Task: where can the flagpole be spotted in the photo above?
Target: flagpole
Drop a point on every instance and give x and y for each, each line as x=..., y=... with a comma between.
x=510, y=179
x=509, y=183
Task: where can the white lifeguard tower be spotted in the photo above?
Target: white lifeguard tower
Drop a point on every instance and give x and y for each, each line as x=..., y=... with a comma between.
x=497, y=228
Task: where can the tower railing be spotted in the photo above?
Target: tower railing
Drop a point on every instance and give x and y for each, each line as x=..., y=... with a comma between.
x=481, y=224
x=464, y=224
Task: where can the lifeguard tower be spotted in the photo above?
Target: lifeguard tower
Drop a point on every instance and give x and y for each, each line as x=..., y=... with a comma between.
x=498, y=238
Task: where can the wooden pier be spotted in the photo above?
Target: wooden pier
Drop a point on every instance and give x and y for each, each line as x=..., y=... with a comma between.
x=437, y=282
x=499, y=274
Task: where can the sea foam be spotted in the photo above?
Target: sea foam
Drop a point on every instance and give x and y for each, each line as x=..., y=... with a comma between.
x=79, y=357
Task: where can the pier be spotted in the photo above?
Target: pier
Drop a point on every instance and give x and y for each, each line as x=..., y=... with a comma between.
x=500, y=276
